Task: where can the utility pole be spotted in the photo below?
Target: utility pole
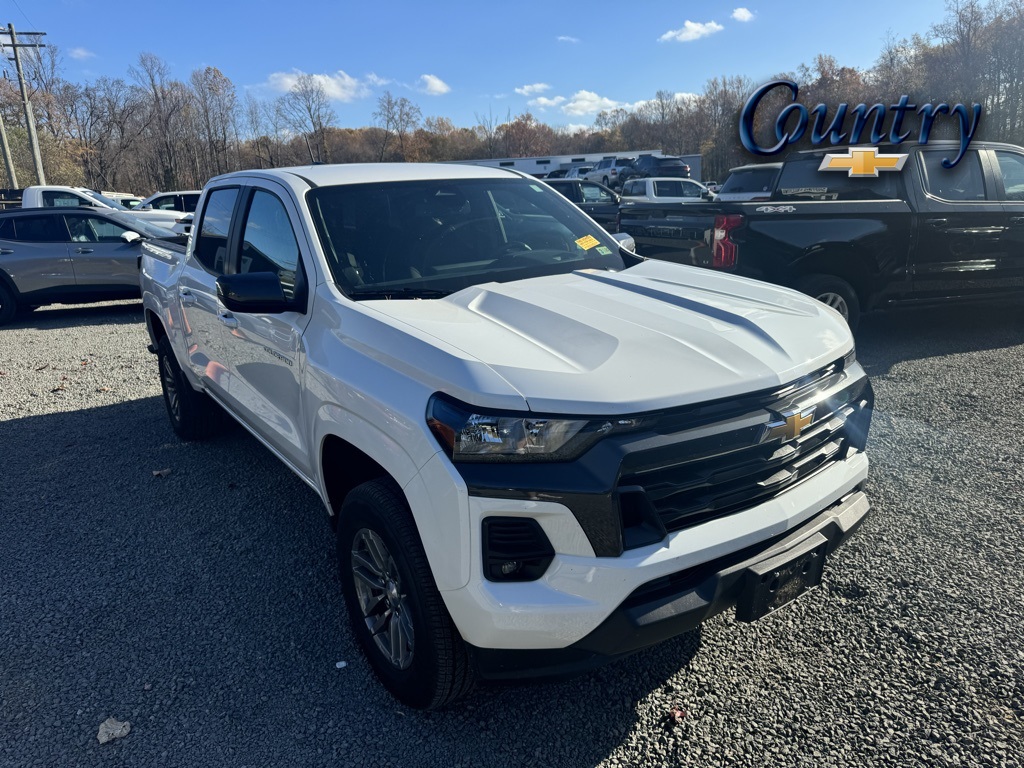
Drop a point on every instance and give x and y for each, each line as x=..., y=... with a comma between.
x=30, y=119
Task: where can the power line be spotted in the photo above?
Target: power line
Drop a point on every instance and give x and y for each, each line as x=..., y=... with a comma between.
x=22, y=12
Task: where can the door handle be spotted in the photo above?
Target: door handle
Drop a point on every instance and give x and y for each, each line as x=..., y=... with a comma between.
x=937, y=223
x=83, y=250
x=228, y=319
x=1016, y=221
x=186, y=296
x=6, y=251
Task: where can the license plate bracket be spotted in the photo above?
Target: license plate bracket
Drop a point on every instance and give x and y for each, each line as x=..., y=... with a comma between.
x=770, y=584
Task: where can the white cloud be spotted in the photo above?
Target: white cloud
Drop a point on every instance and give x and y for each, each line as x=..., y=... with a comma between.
x=589, y=103
x=529, y=90
x=377, y=80
x=339, y=86
x=691, y=30
x=81, y=53
x=433, y=85
x=542, y=102
x=568, y=39
x=742, y=14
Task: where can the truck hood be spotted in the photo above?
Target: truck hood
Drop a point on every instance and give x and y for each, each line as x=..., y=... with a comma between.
x=654, y=336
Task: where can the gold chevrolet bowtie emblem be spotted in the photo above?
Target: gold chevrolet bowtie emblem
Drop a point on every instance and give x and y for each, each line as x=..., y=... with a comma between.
x=789, y=426
x=862, y=162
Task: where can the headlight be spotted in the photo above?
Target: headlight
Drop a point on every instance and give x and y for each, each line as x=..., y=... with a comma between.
x=472, y=435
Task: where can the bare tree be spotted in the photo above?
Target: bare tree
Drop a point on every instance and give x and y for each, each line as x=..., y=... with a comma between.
x=306, y=109
x=397, y=118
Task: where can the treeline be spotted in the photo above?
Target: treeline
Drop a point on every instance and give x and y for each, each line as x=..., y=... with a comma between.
x=150, y=131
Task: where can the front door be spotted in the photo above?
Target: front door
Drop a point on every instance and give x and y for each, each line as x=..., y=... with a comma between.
x=100, y=257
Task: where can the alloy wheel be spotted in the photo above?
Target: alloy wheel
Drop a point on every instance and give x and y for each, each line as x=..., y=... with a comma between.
x=384, y=606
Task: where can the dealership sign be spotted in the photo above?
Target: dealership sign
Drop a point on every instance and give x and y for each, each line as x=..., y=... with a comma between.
x=862, y=124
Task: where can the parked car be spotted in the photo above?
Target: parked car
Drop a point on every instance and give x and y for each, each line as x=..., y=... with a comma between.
x=749, y=183
x=56, y=196
x=578, y=171
x=69, y=256
x=541, y=451
x=925, y=235
x=713, y=186
x=596, y=200
x=183, y=201
x=668, y=190
x=607, y=171
x=647, y=166
x=129, y=202
x=558, y=173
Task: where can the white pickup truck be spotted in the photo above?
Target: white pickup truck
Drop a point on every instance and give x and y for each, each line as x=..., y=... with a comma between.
x=55, y=196
x=540, y=451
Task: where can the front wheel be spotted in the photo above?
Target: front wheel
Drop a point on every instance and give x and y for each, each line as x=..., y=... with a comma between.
x=836, y=293
x=193, y=415
x=397, y=613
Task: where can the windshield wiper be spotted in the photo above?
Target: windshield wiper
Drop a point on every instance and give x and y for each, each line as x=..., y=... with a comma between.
x=371, y=292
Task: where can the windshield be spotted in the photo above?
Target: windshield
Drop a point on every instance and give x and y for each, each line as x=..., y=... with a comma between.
x=142, y=227
x=424, y=239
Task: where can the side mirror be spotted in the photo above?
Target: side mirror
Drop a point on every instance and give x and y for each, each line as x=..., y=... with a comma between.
x=259, y=292
x=707, y=194
x=131, y=237
x=626, y=241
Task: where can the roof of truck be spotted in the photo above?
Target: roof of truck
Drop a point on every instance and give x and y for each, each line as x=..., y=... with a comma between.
x=363, y=173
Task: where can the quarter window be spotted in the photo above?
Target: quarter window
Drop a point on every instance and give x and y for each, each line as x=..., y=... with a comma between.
x=268, y=241
x=212, y=244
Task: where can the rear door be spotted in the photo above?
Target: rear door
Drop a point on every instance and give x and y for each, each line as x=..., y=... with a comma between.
x=34, y=253
x=207, y=259
x=101, y=258
x=963, y=239
x=1008, y=168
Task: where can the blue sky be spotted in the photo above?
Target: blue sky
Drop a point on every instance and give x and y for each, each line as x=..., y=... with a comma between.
x=563, y=61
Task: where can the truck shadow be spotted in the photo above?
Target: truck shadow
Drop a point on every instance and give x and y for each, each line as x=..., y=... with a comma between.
x=887, y=339
x=205, y=600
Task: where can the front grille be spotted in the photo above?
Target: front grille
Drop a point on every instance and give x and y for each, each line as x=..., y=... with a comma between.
x=692, y=481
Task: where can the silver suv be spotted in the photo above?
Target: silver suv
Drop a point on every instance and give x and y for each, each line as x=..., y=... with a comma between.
x=607, y=170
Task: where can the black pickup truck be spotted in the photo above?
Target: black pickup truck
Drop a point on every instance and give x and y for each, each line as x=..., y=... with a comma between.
x=924, y=234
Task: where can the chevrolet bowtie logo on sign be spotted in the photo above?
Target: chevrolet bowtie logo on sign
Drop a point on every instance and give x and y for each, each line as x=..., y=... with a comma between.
x=789, y=426
x=863, y=162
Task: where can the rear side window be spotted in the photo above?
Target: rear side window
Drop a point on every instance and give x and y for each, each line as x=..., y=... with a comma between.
x=963, y=182
x=7, y=229
x=211, y=248
x=1011, y=167
x=801, y=180
x=754, y=180
x=189, y=203
x=40, y=229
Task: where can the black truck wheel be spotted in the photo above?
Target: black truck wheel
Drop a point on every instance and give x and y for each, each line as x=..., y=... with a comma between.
x=397, y=613
x=193, y=415
x=836, y=293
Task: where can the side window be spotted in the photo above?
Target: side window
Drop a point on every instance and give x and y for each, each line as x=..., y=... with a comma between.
x=211, y=248
x=962, y=182
x=1011, y=167
x=594, y=194
x=94, y=229
x=268, y=241
x=7, y=228
x=165, y=203
x=52, y=199
x=801, y=180
x=40, y=229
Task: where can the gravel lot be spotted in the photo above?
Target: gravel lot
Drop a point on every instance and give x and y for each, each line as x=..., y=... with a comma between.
x=204, y=606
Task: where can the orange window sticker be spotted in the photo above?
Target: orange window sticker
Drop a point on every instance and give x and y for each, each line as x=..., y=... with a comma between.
x=588, y=242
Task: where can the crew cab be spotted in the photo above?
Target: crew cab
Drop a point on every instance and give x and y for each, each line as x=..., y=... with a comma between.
x=540, y=451
x=926, y=234
x=596, y=200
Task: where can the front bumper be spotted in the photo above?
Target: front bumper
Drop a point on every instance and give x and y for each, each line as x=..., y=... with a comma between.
x=669, y=606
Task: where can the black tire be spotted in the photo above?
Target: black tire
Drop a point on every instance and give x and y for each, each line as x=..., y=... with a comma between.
x=193, y=415
x=8, y=305
x=416, y=651
x=836, y=293
x=604, y=180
